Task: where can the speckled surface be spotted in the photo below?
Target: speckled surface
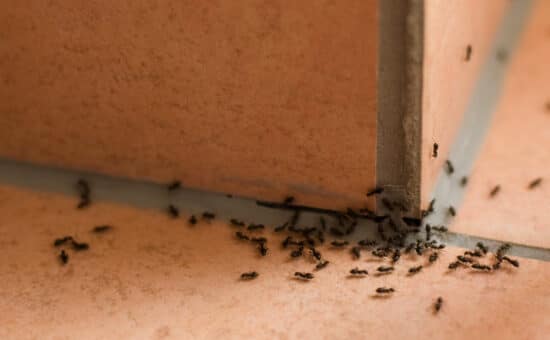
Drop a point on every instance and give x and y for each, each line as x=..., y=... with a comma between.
x=260, y=98
x=515, y=151
x=154, y=277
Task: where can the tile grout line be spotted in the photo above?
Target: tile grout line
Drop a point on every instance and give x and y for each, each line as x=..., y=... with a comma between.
x=150, y=195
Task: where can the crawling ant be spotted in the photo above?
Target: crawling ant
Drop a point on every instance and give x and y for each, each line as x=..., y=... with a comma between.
x=435, y=149
x=385, y=269
x=253, y=226
x=64, y=257
x=322, y=264
x=287, y=241
x=356, y=251
x=208, y=215
x=436, y=246
x=495, y=191
x=258, y=239
x=409, y=248
x=419, y=248
x=450, y=167
x=464, y=259
x=463, y=181
x=62, y=240
x=468, y=52
x=380, y=252
x=303, y=276
x=175, y=185
x=428, y=232
x=192, y=220
x=102, y=228
x=281, y=227
x=339, y=244
x=384, y=290
x=396, y=255
x=173, y=211
x=438, y=304
x=78, y=246
x=454, y=265
x=367, y=243
x=433, y=257
x=249, y=276
x=430, y=208
x=440, y=229
x=414, y=270
x=535, y=183
x=452, y=211
x=288, y=200
x=513, y=262
x=298, y=252
x=481, y=266
x=502, y=250
x=84, y=190
x=242, y=236
x=375, y=191
x=484, y=249
x=263, y=249
x=235, y=222
x=315, y=253
x=412, y=221
x=475, y=253
x=357, y=271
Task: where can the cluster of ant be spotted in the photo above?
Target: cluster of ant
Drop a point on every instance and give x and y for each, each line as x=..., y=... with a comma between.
x=74, y=244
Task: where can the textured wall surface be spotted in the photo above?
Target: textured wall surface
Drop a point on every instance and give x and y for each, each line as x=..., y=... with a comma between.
x=258, y=98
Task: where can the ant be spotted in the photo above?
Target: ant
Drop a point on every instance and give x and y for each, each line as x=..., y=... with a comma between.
x=303, y=276
x=452, y=211
x=356, y=251
x=396, y=255
x=322, y=264
x=450, y=167
x=263, y=249
x=481, y=266
x=495, y=191
x=367, y=243
x=385, y=269
x=84, y=190
x=475, y=253
x=175, y=185
x=384, y=290
x=535, y=183
x=468, y=52
x=62, y=240
x=298, y=252
x=102, y=228
x=412, y=221
x=428, y=232
x=434, y=151
x=173, y=211
x=192, y=220
x=315, y=253
x=258, y=239
x=253, y=226
x=242, y=236
x=357, y=271
x=463, y=181
x=454, y=265
x=78, y=246
x=484, y=249
x=208, y=215
x=375, y=191
x=441, y=229
x=433, y=257
x=438, y=304
x=249, y=276
x=288, y=200
x=464, y=259
x=513, y=262
x=414, y=270
x=64, y=257
x=281, y=227
x=235, y=222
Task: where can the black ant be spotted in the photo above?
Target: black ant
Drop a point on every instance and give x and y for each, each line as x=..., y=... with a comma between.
x=450, y=167
x=438, y=304
x=384, y=290
x=463, y=181
x=242, y=236
x=322, y=264
x=375, y=191
x=298, y=252
x=208, y=215
x=281, y=227
x=357, y=271
x=396, y=255
x=495, y=191
x=356, y=251
x=173, y=211
x=454, y=265
x=263, y=249
x=235, y=222
x=513, y=262
x=428, y=232
x=288, y=200
x=315, y=253
x=535, y=183
x=433, y=257
x=468, y=52
x=303, y=276
x=249, y=276
x=475, y=253
x=192, y=220
x=482, y=247
x=258, y=239
x=78, y=246
x=102, y=228
x=175, y=185
x=452, y=211
x=64, y=257
x=414, y=270
x=435, y=149
x=385, y=269
x=440, y=229
x=253, y=226
x=464, y=259
x=84, y=191
x=367, y=243
x=62, y=240
x=481, y=266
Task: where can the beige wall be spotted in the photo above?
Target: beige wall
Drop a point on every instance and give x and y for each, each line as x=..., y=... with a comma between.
x=259, y=98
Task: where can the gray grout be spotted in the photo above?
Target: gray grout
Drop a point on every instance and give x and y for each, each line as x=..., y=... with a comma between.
x=154, y=196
